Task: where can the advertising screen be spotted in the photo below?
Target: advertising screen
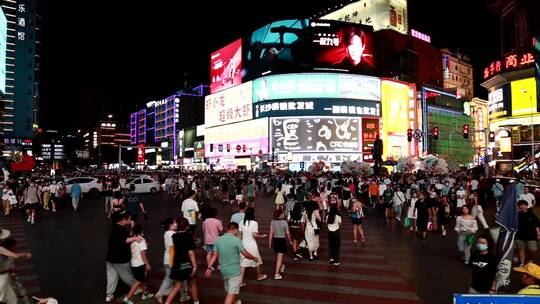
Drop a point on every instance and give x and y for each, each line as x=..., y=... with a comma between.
x=226, y=67
x=499, y=101
x=370, y=129
x=3, y=49
x=523, y=96
x=309, y=158
x=342, y=46
x=316, y=107
x=252, y=133
x=276, y=47
x=381, y=14
x=537, y=69
x=395, y=118
x=324, y=134
x=316, y=85
x=231, y=105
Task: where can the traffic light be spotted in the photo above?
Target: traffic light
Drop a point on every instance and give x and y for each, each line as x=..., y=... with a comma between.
x=211, y=147
x=491, y=136
x=244, y=148
x=228, y=147
x=409, y=135
x=465, y=131
x=436, y=133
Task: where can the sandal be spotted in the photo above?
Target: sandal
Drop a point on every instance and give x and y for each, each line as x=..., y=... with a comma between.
x=261, y=278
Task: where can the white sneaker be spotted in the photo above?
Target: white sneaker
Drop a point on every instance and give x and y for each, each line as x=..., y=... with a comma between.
x=28, y=220
x=109, y=298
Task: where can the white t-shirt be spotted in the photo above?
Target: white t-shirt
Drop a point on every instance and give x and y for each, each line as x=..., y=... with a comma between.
x=167, y=239
x=335, y=225
x=474, y=184
x=399, y=198
x=382, y=187
x=529, y=197
x=136, y=257
x=189, y=209
x=53, y=188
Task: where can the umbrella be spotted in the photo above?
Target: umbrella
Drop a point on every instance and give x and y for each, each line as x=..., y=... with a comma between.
x=507, y=220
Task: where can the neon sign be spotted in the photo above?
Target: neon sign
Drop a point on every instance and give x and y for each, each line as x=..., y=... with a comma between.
x=509, y=62
x=421, y=36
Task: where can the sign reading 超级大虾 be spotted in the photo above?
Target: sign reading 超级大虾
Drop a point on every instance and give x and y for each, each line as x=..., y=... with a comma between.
x=316, y=107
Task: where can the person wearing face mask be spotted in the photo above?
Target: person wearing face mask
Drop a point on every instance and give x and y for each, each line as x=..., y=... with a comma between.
x=466, y=226
x=484, y=266
x=528, y=232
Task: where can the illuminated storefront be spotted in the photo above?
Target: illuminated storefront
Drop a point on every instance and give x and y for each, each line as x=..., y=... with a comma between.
x=513, y=108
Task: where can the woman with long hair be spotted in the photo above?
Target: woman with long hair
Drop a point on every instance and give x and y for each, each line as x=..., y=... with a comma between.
x=312, y=218
x=334, y=235
x=250, y=231
x=357, y=216
x=296, y=228
x=117, y=204
x=184, y=266
x=279, y=235
x=466, y=227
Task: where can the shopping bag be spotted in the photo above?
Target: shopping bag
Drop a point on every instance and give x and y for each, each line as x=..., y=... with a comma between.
x=407, y=222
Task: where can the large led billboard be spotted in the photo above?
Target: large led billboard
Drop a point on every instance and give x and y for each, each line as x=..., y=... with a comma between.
x=315, y=134
x=317, y=107
x=381, y=14
x=523, y=96
x=395, y=118
x=316, y=85
x=226, y=67
x=251, y=135
x=342, y=46
x=537, y=69
x=228, y=106
x=301, y=45
x=3, y=49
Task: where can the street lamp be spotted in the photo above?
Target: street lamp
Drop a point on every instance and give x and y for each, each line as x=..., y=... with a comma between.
x=524, y=91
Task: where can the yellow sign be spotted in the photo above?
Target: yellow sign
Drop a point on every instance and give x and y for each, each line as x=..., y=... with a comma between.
x=523, y=97
x=395, y=118
x=505, y=144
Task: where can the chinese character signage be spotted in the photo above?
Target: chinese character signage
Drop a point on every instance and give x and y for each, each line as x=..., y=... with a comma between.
x=228, y=106
x=316, y=107
x=499, y=101
x=381, y=14
x=140, y=153
x=370, y=129
x=306, y=134
x=510, y=62
x=226, y=67
x=316, y=85
x=421, y=36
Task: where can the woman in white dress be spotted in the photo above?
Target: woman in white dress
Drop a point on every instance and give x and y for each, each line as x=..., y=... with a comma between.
x=411, y=212
x=250, y=231
x=312, y=230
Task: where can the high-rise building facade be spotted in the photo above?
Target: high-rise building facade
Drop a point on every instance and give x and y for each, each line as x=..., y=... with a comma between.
x=22, y=47
x=457, y=74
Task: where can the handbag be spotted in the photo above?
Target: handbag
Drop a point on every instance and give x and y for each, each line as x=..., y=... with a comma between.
x=470, y=239
x=407, y=222
x=171, y=256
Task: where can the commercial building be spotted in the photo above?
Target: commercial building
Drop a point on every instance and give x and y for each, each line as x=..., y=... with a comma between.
x=457, y=74
x=166, y=129
x=512, y=84
x=19, y=69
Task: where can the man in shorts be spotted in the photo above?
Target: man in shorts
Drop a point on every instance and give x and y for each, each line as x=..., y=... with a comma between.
x=528, y=232
x=227, y=249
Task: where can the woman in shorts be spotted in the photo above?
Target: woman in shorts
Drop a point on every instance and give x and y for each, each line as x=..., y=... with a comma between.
x=279, y=235
x=184, y=266
x=356, y=218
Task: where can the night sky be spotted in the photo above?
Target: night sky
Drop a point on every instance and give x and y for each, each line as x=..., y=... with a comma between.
x=110, y=56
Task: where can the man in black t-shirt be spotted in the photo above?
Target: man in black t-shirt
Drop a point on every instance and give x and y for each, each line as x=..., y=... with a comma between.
x=119, y=254
x=528, y=232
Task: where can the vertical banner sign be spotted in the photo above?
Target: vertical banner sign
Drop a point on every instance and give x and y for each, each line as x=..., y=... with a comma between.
x=140, y=153
x=537, y=69
x=370, y=128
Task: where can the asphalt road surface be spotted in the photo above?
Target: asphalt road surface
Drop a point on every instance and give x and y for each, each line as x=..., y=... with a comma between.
x=394, y=267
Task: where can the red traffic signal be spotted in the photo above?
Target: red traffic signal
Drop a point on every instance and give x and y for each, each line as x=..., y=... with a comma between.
x=238, y=148
x=436, y=133
x=244, y=148
x=228, y=147
x=465, y=131
x=409, y=135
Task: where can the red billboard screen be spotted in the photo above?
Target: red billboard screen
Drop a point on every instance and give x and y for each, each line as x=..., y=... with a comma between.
x=342, y=46
x=226, y=67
